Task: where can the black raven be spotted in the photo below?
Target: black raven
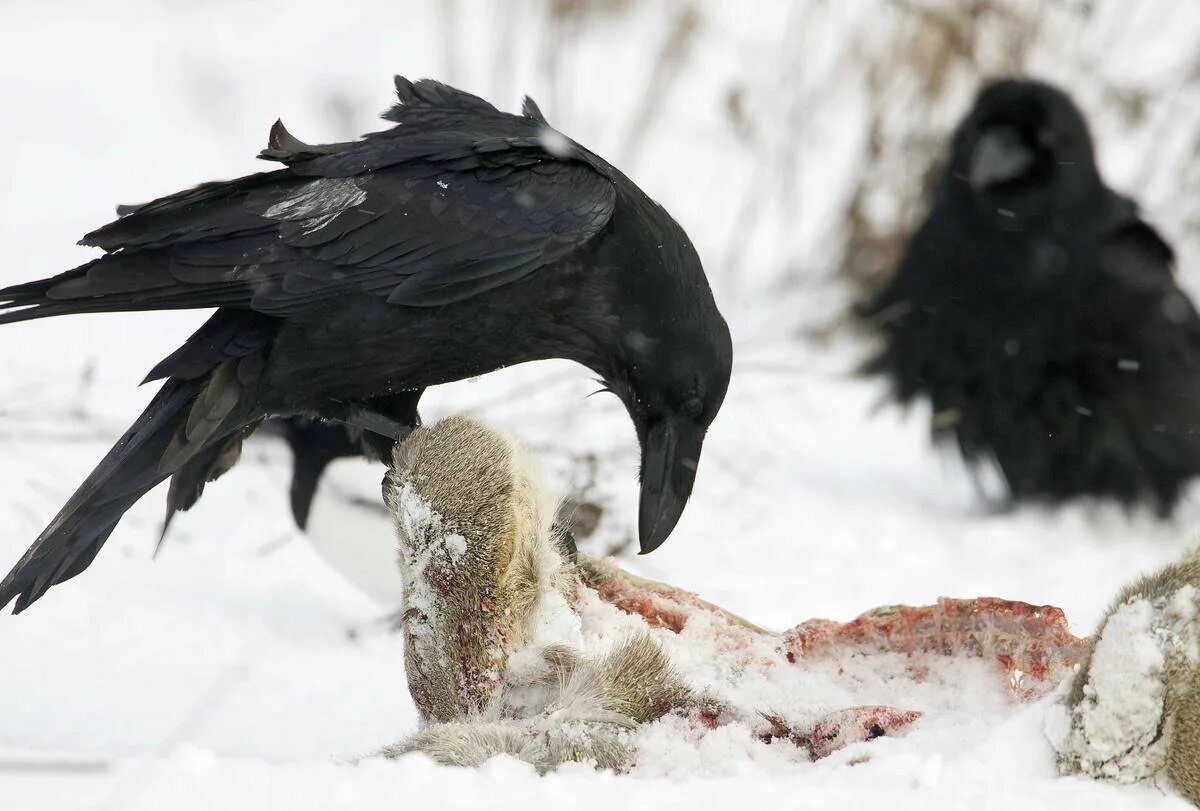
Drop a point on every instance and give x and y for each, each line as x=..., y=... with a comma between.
x=459, y=241
x=1039, y=314
x=314, y=444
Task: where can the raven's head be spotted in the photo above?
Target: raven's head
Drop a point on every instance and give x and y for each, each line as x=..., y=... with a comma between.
x=1024, y=154
x=671, y=369
x=672, y=384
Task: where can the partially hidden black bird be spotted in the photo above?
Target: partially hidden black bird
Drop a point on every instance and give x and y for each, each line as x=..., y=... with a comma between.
x=459, y=241
x=314, y=444
x=1038, y=313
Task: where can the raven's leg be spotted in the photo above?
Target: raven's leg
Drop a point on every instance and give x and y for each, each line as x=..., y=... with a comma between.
x=376, y=423
x=385, y=420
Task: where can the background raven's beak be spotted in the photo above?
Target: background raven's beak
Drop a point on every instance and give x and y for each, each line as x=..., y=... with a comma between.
x=1000, y=155
x=670, y=453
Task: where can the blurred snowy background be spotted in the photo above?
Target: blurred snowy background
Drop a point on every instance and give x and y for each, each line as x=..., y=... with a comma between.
x=791, y=139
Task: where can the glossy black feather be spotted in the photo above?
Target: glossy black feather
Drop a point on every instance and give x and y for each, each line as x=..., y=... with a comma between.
x=417, y=222
x=460, y=241
x=149, y=451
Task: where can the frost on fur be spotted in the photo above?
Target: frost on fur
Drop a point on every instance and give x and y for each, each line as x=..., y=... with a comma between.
x=514, y=648
x=592, y=708
x=1133, y=706
x=492, y=644
x=472, y=526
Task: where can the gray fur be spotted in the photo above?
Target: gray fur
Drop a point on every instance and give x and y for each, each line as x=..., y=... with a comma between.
x=468, y=607
x=592, y=715
x=467, y=513
x=1183, y=763
x=466, y=743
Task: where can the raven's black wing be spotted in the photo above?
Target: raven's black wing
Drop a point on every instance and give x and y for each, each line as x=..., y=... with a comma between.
x=1134, y=301
x=457, y=199
x=1143, y=335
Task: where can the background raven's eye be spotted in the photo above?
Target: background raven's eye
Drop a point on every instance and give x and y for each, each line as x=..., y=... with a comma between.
x=693, y=407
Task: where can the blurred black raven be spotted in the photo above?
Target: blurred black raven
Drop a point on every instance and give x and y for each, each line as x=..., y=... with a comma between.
x=460, y=241
x=1038, y=312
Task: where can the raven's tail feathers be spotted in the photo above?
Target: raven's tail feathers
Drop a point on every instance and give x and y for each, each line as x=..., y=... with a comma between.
x=187, y=483
x=19, y=302
x=184, y=421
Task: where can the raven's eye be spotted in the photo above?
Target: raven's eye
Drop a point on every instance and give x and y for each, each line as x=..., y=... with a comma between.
x=693, y=407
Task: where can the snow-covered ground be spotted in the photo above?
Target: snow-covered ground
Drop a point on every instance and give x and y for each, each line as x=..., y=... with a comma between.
x=237, y=669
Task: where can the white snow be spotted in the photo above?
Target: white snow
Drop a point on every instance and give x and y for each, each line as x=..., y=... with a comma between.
x=555, y=142
x=1124, y=696
x=429, y=543
x=456, y=545
x=348, y=538
x=1117, y=729
x=239, y=670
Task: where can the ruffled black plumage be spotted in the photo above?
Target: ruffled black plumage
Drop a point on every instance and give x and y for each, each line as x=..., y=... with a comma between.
x=1038, y=313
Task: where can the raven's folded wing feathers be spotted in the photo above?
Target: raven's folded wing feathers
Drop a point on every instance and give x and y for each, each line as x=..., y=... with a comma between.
x=457, y=199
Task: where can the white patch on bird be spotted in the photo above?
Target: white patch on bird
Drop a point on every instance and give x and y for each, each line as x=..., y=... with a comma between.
x=555, y=142
x=317, y=223
x=318, y=199
x=443, y=184
x=1128, y=365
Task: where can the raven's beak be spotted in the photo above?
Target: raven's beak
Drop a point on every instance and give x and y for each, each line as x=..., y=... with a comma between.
x=1000, y=155
x=670, y=453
